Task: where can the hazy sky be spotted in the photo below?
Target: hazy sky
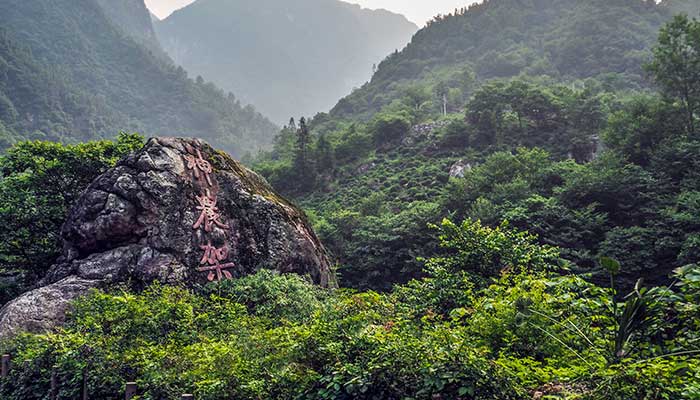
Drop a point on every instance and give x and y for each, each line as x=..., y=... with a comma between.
x=418, y=11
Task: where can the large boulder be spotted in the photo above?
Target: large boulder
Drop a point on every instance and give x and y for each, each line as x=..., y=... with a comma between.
x=177, y=212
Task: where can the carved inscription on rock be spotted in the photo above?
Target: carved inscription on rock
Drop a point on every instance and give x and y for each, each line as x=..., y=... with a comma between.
x=209, y=213
x=213, y=261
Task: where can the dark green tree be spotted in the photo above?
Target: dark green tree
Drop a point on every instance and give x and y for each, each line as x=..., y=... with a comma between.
x=324, y=155
x=417, y=98
x=302, y=164
x=388, y=128
x=676, y=65
x=637, y=129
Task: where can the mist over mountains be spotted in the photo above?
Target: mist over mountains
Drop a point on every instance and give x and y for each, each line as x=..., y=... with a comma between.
x=287, y=58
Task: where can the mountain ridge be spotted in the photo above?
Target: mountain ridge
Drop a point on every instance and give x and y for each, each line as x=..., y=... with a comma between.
x=141, y=90
x=491, y=41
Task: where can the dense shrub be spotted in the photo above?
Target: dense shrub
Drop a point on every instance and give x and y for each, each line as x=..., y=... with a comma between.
x=277, y=337
x=39, y=182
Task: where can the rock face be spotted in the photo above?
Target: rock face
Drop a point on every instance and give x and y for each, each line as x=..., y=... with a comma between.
x=178, y=212
x=459, y=168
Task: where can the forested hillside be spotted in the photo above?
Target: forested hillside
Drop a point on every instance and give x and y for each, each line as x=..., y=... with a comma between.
x=590, y=158
x=37, y=103
x=134, y=19
x=557, y=40
x=293, y=57
x=117, y=84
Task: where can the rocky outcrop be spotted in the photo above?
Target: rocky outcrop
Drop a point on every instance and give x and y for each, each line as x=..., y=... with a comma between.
x=43, y=308
x=459, y=168
x=177, y=212
x=422, y=132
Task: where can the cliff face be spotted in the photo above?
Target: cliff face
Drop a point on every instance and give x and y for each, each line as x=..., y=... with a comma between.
x=177, y=212
x=133, y=18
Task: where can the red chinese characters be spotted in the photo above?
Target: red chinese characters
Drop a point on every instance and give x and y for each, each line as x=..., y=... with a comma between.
x=199, y=166
x=209, y=215
x=212, y=262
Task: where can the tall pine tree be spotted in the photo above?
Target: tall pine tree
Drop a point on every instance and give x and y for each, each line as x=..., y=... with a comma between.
x=301, y=156
x=324, y=155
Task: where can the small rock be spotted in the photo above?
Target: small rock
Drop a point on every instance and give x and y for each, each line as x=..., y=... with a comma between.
x=42, y=309
x=364, y=168
x=459, y=169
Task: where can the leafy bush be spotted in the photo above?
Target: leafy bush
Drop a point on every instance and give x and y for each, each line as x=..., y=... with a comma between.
x=387, y=128
x=277, y=337
x=482, y=251
x=267, y=295
x=520, y=334
x=39, y=182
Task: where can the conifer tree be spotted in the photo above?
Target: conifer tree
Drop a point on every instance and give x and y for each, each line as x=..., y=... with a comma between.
x=301, y=157
x=324, y=155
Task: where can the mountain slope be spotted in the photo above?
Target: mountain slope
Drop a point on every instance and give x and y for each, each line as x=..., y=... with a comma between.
x=139, y=89
x=288, y=58
x=36, y=103
x=563, y=40
x=134, y=19
x=530, y=111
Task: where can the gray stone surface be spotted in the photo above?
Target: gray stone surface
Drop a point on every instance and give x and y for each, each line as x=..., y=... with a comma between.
x=134, y=225
x=459, y=168
x=43, y=308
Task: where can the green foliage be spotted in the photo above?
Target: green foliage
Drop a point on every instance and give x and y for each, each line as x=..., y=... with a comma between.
x=608, y=207
x=456, y=134
x=642, y=124
x=388, y=128
x=36, y=103
x=487, y=316
x=280, y=298
x=555, y=40
x=519, y=334
x=554, y=133
x=632, y=202
x=483, y=251
x=676, y=65
x=390, y=239
x=517, y=113
x=39, y=182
